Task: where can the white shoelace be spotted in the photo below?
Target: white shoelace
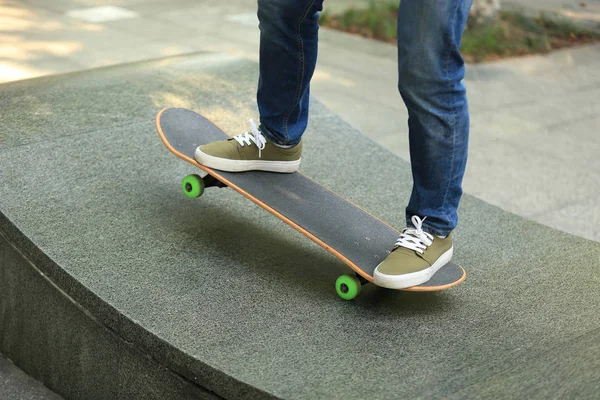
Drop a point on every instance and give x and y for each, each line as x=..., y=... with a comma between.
x=415, y=238
x=251, y=136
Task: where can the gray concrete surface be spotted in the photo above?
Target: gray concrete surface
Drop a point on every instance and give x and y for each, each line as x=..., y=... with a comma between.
x=585, y=13
x=531, y=116
x=228, y=296
x=17, y=385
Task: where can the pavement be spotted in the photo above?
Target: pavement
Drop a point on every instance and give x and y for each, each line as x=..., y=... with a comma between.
x=582, y=12
x=533, y=151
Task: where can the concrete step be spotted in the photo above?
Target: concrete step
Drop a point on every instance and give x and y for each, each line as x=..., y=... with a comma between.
x=114, y=285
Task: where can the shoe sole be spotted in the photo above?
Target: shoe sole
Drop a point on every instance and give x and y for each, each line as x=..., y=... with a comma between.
x=414, y=278
x=224, y=164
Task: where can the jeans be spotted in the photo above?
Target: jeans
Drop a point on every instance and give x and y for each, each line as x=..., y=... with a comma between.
x=430, y=81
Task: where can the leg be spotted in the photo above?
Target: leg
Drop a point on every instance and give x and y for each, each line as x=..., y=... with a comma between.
x=288, y=56
x=431, y=72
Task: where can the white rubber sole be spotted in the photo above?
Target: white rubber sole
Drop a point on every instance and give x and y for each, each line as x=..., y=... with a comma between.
x=412, y=279
x=224, y=164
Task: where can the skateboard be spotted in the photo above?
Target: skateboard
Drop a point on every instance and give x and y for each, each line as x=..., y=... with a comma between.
x=347, y=231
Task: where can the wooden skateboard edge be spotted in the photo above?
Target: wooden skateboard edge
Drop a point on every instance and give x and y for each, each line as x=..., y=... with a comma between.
x=439, y=287
x=289, y=222
x=276, y=213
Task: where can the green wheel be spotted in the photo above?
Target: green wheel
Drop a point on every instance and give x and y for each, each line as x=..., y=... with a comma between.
x=347, y=286
x=192, y=186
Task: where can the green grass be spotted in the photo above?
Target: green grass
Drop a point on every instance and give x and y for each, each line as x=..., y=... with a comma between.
x=509, y=35
x=378, y=21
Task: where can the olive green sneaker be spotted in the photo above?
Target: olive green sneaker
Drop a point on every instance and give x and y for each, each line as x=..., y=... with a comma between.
x=247, y=152
x=416, y=256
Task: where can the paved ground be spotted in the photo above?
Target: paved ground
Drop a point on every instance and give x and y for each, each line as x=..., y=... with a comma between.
x=534, y=150
x=585, y=12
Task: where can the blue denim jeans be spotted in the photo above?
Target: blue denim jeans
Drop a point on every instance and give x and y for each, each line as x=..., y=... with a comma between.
x=430, y=81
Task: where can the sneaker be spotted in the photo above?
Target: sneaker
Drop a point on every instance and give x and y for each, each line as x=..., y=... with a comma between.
x=416, y=256
x=247, y=152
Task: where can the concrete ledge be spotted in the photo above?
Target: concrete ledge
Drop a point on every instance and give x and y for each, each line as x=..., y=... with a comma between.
x=17, y=385
x=57, y=342
x=149, y=290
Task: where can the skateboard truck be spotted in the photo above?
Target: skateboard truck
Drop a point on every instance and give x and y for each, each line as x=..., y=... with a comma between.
x=348, y=286
x=211, y=181
x=361, y=279
x=193, y=185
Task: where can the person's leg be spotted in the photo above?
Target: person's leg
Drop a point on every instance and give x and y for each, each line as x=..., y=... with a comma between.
x=430, y=80
x=288, y=56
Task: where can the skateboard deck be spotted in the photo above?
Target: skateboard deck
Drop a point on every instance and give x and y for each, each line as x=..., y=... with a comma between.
x=347, y=231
